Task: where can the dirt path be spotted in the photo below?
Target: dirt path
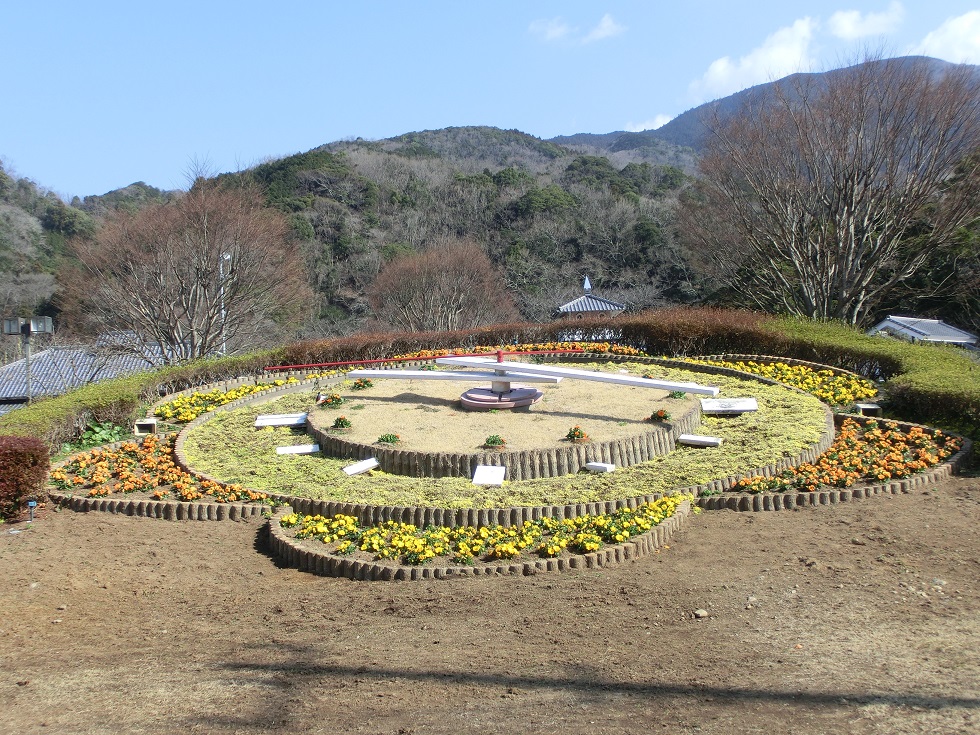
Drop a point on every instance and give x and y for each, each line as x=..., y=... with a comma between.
x=857, y=618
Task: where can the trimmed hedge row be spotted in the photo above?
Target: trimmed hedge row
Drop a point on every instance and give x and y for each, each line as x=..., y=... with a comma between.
x=62, y=419
x=929, y=384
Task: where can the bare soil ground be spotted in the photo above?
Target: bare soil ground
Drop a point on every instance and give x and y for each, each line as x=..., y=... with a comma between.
x=856, y=618
x=427, y=415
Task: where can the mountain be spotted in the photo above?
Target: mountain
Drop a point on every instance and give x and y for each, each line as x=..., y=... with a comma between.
x=547, y=212
x=688, y=131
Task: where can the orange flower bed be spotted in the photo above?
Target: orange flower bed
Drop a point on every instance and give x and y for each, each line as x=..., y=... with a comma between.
x=877, y=452
x=144, y=467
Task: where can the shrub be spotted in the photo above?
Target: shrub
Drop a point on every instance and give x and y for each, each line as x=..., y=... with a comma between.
x=98, y=434
x=24, y=465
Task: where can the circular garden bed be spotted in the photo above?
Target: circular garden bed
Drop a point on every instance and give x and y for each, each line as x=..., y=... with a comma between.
x=783, y=456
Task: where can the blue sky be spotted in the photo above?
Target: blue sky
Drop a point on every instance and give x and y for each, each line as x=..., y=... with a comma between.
x=98, y=95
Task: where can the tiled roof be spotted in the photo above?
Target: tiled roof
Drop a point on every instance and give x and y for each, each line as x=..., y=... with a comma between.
x=926, y=330
x=60, y=369
x=590, y=302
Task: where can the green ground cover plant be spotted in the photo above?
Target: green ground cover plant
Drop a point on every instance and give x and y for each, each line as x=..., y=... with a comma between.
x=230, y=448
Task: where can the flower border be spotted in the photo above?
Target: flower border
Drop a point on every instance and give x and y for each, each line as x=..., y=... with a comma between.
x=294, y=553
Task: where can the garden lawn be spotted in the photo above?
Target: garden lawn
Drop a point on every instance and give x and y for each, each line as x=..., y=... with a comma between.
x=229, y=448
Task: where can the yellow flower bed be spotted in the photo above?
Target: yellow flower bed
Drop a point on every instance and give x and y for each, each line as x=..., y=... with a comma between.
x=188, y=407
x=603, y=347
x=837, y=389
x=874, y=453
x=547, y=537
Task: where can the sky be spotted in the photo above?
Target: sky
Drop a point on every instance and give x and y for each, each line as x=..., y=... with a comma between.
x=98, y=95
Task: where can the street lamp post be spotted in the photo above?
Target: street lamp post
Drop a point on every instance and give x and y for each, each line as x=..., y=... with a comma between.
x=25, y=328
x=221, y=278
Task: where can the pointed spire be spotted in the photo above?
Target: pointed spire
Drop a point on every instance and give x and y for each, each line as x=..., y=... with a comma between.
x=587, y=285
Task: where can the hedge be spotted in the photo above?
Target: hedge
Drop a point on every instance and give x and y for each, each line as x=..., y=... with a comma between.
x=63, y=418
x=935, y=385
x=24, y=466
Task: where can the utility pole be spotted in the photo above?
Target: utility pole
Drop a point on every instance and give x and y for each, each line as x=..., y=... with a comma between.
x=221, y=279
x=25, y=328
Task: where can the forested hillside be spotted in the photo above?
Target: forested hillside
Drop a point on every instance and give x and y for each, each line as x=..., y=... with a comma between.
x=545, y=212
x=34, y=228
x=546, y=215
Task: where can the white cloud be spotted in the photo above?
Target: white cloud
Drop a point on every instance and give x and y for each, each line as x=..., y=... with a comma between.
x=551, y=30
x=607, y=28
x=784, y=52
x=557, y=29
x=956, y=40
x=853, y=24
x=657, y=121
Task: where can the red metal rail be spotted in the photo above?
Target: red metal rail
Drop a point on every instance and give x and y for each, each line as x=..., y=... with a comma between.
x=498, y=353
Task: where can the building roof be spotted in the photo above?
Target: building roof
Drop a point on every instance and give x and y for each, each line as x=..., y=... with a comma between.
x=590, y=302
x=924, y=330
x=60, y=369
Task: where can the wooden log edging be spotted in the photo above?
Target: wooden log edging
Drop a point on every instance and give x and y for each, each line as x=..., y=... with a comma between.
x=294, y=553
x=169, y=510
x=529, y=464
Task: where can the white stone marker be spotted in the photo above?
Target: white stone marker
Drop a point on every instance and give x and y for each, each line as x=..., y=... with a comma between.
x=280, y=419
x=599, y=467
x=488, y=474
x=145, y=426
x=728, y=406
x=694, y=440
x=360, y=467
x=299, y=449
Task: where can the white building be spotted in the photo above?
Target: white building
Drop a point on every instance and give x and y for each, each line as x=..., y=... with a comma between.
x=915, y=329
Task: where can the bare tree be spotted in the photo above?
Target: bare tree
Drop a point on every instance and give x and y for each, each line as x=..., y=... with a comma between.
x=209, y=274
x=819, y=199
x=448, y=286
